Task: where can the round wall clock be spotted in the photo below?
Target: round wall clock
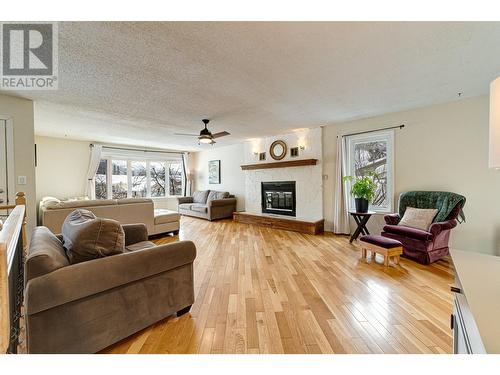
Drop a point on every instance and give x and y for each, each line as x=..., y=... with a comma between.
x=278, y=150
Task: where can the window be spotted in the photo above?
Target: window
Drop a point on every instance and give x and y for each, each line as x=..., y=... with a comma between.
x=118, y=178
x=101, y=185
x=157, y=171
x=175, y=179
x=139, y=179
x=368, y=153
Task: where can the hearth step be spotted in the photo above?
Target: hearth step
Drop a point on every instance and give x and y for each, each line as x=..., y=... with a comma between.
x=296, y=225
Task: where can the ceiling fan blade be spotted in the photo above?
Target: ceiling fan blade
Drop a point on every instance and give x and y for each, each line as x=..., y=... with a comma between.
x=220, y=134
x=186, y=134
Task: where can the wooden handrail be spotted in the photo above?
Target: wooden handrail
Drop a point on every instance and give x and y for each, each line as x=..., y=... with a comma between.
x=12, y=232
x=21, y=201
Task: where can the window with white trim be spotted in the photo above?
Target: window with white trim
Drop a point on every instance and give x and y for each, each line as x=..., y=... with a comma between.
x=373, y=153
x=118, y=178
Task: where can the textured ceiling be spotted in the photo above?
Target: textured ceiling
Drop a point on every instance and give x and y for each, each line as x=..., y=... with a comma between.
x=138, y=83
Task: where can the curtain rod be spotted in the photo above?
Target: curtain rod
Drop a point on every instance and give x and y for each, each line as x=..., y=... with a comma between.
x=374, y=130
x=136, y=149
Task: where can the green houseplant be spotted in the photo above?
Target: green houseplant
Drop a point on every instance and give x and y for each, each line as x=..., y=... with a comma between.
x=363, y=190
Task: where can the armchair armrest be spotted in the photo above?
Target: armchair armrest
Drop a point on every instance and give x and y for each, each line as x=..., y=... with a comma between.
x=439, y=227
x=135, y=233
x=181, y=200
x=392, y=219
x=222, y=202
x=84, y=279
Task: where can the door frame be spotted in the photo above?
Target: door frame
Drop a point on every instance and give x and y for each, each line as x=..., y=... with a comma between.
x=9, y=138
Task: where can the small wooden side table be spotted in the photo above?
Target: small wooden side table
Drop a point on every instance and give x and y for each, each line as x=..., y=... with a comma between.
x=361, y=218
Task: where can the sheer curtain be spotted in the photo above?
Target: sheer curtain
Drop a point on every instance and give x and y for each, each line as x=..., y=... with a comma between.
x=341, y=204
x=187, y=180
x=95, y=158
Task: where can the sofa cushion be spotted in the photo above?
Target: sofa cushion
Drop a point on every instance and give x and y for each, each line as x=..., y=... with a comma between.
x=386, y=243
x=82, y=203
x=217, y=195
x=409, y=232
x=140, y=246
x=199, y=207
x=46, y=254
x=200, y=196
x=163, y=216
x=185, y=206
x=86, y=237
x=419, y=218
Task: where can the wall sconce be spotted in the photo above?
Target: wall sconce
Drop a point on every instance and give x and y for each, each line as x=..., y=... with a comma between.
x=301, y=143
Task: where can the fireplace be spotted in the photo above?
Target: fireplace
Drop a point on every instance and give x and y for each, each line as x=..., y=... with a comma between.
x=278, y=197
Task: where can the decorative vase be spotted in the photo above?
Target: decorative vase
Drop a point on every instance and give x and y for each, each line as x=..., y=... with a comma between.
x=361, y=205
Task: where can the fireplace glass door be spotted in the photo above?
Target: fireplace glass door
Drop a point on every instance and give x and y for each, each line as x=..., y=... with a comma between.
x=278, y=198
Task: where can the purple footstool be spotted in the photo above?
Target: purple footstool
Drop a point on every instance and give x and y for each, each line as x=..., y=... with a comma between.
x=387, y=247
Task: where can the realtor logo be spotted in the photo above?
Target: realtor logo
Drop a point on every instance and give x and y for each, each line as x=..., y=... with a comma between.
x=29, y=56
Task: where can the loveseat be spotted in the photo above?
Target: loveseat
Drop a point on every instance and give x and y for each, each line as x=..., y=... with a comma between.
x=52, y=213
x=426, y=246
x=87, y=306
x=208, y=204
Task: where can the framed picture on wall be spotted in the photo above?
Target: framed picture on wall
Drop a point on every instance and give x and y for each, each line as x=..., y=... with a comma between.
x=214, y=172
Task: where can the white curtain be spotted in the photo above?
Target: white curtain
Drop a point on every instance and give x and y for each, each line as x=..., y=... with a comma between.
x=341, y=203
x=95, y=158
x=187, y=175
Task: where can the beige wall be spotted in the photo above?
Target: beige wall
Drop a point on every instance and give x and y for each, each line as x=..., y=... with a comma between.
x=20, y=111
x=61, y=167
x=443, y=147
x=232, y=177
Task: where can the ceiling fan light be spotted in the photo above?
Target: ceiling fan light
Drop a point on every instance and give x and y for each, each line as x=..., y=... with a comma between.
x=205, y=139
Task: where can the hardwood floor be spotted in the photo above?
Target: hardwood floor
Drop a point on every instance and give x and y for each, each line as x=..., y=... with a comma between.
x=261, y=290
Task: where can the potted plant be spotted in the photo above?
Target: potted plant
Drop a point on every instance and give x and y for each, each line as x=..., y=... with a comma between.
x=363, y=190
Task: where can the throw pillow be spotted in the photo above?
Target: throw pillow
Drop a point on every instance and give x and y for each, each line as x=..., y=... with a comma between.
x=200, y=196
x=217, y=195
x=50, y=202
x=87, y=237
x=419, y=218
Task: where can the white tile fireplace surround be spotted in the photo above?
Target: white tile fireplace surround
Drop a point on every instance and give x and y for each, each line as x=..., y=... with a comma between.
x=308, y=179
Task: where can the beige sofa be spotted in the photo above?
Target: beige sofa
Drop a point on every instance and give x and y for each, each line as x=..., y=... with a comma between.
x=208, y=204
x=52, y=213
x=88, y=306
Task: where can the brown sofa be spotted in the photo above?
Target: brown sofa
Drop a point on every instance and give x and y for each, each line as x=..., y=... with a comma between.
x=208, y=204
x=87, y=306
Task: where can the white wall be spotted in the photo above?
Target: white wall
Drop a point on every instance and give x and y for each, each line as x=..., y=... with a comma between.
x=232, y=177
x=20, y=111
x=308, y=183
x=443, y=147
x=61, y=167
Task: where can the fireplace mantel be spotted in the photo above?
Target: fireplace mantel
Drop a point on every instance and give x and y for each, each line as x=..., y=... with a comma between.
x=280, y=164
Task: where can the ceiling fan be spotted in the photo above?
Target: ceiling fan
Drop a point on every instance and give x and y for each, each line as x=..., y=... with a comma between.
x=205, y=135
